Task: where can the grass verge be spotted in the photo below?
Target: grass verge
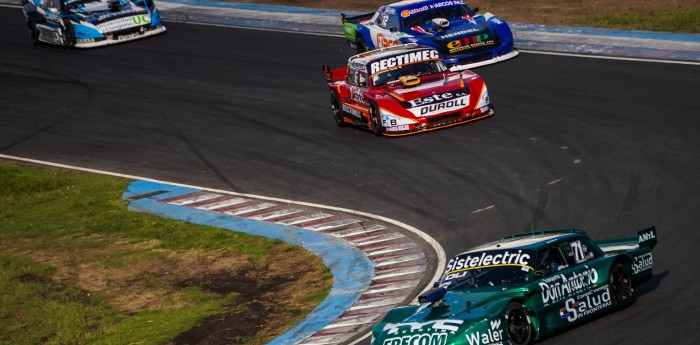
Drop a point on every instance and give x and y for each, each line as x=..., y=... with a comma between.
x=77, y=268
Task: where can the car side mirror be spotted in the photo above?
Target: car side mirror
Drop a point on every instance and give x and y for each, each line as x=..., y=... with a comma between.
x=475, y=9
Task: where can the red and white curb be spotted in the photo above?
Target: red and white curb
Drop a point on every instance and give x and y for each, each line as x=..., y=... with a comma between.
x=399, y=263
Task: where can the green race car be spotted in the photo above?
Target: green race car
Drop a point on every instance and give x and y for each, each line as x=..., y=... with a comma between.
x=522, y=288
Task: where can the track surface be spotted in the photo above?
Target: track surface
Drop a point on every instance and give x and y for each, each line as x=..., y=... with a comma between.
x=607, y=146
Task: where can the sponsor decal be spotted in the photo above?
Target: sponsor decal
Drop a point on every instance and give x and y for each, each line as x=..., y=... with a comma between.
x=470, y=42
x=397, y=128
x=117, y=14
x=436, y=108
x=642, y=263
x=447, y=3
x=124, y=23
x=457, y=33
x=493, y=335
x=385, y=42
x=128, y=37
x=427, y=333
x=352, y=111
x=646, y=237
x=560, y=286
x=358, y=64
x=492, y=258
x=436, y=98
x=406, y=13
x=403, y=59
x=85, y=40
x=586, y=304
x=357, y=96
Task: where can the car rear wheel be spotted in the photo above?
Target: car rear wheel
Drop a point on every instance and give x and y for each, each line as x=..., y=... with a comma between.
x=519, y=325
x=620, y=286
x=33, y=32
x=361, y=45
x=337, y=110
x=376, y=119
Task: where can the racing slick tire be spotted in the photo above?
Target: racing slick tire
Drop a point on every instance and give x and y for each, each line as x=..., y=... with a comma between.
x=33, y=32
x=337, y=109
x=620, y=286
x=376, y=120
x=361, y=45
x=520, y=331
x=68, y=33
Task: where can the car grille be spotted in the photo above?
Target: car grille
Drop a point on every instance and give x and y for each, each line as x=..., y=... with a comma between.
x=444, y=119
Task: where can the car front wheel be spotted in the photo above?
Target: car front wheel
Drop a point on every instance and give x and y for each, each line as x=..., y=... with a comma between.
x=68, y=33
x=33, y=32
x=519, y=325
x=376, y=119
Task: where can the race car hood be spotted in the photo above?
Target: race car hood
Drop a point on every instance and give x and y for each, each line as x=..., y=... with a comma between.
x=110, y=15
x=465, y=313
x=467, y=34
x=436, y=95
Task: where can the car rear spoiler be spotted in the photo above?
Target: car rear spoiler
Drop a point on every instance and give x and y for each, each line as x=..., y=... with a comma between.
x=355, y=19
x=647, y=238
x=332, y=75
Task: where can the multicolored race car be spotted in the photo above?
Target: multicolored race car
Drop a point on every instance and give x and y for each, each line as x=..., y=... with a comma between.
x=91, y=23
x=523, y=288
x=462, y=37
x=405, y=89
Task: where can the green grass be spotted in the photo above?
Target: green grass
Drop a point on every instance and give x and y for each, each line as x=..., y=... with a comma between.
x=59, y=212
x=680, y=20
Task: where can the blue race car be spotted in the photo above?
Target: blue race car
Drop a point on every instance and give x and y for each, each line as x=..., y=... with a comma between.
x=462, y=37
x=91, y=23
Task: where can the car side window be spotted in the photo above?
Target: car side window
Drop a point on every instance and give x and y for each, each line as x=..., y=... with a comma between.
x=550, y=260
x=387, y=21
x=362, y=78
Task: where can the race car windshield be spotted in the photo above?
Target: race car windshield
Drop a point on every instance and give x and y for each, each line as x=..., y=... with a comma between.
x=77, y=4
x=418, y=69
x=422, y=18
x=489, y=268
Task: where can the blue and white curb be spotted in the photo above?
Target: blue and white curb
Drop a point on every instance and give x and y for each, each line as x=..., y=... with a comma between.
x=375, y=267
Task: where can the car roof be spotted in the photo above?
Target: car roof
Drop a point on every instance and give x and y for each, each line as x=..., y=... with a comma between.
x=382, y=53
x=409, y=4
x=532, y=240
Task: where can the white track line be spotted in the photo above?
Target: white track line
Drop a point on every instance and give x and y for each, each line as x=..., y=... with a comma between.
x=610, y=57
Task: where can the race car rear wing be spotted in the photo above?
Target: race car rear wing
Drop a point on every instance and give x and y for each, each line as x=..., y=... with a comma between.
x=355, y=19
x=645, y=239
x=334, y=75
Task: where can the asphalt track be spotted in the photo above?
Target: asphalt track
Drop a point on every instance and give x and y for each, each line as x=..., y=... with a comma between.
x=607, y=146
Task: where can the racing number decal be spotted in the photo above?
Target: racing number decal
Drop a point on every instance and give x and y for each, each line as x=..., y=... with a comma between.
x=578, y=251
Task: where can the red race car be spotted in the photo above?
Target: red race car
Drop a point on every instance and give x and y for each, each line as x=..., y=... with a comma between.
x=404, y=90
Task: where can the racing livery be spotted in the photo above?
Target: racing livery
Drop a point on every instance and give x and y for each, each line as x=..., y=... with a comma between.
x=90, y=23
x=462, y=37
x=405, y=89
x=523, y=288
